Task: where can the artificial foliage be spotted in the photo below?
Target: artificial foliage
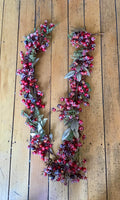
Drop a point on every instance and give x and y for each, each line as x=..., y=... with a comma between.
x=66, y=164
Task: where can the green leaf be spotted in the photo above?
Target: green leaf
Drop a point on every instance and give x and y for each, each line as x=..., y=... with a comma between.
x=27, y=121
x=47, y=29
x=74, y=125
x=43, y=122
x=79, y=76
x=41, y=132
x=70, y=137
x=72, y=65
x=34, y=123
x=72, y=111
x=40, y=117
x=70, y=35
x=35, y=62
x=37, y=111
x=32, y=58
x=78, y=68
x=51, y=136
x=24, y=114
x=33, y=133
x=88, y=73
x=79, y=50
x=51, y=29
x=39, y=127
x=30, y=95
x=70, y=74
x=77, y=54
x=66, y=134
x=88, y=86
x=51, y=151
x=66, y=122
x=76, y=134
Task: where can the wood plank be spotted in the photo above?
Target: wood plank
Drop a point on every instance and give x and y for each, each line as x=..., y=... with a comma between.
x=21, y=134
x=111, y=97
x=93, y=120
x=1, y=16
x=117, y=13
x=8, y=70
x=58, y=84
x=95, y=187
x=39, y=183
x=77, y=190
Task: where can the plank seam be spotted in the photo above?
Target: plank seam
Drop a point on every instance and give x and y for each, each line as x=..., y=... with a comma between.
x=68, y=41
x=103, y=104
x=85, y=29
x=84, y=13
x=29, y=170
x=117, y=43
x=68, y=66
x=2, y=26
x=29, y=164
x=50, y=92
x=14, y=101
x=35, y=16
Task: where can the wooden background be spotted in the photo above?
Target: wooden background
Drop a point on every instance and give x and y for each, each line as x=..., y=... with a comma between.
x=20, y=172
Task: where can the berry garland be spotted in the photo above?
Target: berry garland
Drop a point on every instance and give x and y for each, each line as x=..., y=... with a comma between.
x=66, y=164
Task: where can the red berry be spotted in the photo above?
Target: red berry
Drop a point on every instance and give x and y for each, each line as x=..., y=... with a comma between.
x=53, y=109
x=61, y=99
x=43, y=106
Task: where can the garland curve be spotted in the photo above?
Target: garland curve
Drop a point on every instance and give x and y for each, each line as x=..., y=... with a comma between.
x=65, y=165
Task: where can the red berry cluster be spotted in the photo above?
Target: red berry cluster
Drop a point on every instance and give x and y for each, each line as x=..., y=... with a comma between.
x=82, y=89
x=82, y=65
x=64, y=167
x=40, y=146
x=83, y=38
x=34, y=43
x=71, y=107
x=69, y=148
x=38, y=40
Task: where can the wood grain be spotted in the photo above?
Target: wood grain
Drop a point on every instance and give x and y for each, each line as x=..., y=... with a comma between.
x=21, y=134
x=101, y=119
x=77, y=190
x=1, y=17
x=111, y=97
x=94, y=124
x=58, y=84
x=43, y=73
x=117, y=13
x=8, y=70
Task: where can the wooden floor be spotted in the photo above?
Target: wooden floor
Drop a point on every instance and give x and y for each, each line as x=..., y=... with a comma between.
x=20, y=172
